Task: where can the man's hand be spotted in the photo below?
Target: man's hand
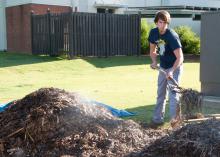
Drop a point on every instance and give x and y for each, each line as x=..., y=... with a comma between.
x=154, y=65
x=169, y=74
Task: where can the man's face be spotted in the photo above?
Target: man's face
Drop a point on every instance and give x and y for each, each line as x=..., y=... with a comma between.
x=162, y=26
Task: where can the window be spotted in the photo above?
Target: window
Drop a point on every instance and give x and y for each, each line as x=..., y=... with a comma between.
x=100, y=10
x=105, y=10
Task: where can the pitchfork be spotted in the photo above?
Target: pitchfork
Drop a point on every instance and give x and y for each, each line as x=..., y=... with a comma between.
x=175, y=86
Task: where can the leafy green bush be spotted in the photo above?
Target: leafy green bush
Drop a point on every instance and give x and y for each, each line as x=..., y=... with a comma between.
x=190, y=41
x=145, y=30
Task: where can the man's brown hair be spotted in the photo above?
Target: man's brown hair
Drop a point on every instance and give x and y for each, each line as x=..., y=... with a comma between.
x=163, y=15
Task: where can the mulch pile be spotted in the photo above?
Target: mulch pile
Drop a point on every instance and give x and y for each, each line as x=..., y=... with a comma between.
x=52, y=123
x=192, y=140
x=191, y=102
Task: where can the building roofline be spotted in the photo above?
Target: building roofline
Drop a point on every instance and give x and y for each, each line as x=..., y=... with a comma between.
x=177, y=7
x=180, y=11
x=109, y=5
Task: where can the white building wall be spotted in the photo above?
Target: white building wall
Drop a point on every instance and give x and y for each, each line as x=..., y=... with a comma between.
x=91, y=7
x=83, y=6
x=194, y=25
x=134, y=3
x=3, y=40
x=124, y=3
x=153, y=3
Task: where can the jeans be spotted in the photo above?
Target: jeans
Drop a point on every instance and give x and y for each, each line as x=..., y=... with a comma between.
x=159, y=111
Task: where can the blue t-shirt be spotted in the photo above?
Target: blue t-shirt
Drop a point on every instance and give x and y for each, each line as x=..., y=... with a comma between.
x=166, y=44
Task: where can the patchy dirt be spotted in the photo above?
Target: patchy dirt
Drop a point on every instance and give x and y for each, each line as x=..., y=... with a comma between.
x=51, y=122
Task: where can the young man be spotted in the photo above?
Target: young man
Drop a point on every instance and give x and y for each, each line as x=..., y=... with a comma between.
x=165, y=43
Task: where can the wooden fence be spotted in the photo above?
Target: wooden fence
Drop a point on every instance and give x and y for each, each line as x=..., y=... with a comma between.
x=86, y=34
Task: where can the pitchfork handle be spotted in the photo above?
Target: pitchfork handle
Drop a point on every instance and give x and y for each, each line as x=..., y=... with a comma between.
x=164, y=72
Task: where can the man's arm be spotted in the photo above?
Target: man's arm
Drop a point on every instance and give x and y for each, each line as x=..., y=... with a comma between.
x=179, y=60
x=153, y=55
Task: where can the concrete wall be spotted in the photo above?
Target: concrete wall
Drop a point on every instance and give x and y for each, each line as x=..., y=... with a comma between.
x=209, y=59
x=2, y=26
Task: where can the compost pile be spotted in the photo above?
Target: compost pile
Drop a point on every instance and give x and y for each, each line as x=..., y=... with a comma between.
x=190, y=99
x=191, y=102
x=53, y=123
x=192, y=140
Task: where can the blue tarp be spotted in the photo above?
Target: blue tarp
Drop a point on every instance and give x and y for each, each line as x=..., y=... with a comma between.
x=4, y=106
x=114, y=111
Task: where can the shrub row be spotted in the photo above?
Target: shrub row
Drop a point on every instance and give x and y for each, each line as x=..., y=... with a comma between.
x=190, y=41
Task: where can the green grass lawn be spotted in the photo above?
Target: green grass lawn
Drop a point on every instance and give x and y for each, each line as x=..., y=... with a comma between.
x=122, y=82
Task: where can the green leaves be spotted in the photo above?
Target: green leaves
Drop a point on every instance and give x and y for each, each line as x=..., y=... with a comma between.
x=145, y=30
x=190, y=41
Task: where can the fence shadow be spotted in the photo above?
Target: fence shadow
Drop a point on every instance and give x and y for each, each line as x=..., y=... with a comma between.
x=14, y=59
x=131, y=60
x=117, y=61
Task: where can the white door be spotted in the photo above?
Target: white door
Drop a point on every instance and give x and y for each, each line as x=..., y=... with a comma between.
x=2, y=27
